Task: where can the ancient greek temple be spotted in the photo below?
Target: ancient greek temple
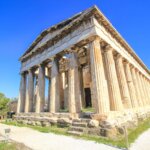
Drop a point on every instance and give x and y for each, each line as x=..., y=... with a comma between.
x=84, y=62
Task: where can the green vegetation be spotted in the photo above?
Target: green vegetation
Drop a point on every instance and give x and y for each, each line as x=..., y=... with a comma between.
x=119, y=142
x=143, y=126
x=3, y=104
x=7, y=146
x=88, y=109
x=63, y=110
x=12, y=146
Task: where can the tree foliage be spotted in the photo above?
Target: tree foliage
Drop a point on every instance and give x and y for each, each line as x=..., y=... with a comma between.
x=3, y=102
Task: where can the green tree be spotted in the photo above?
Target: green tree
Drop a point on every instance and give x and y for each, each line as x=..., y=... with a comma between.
x=3, y=103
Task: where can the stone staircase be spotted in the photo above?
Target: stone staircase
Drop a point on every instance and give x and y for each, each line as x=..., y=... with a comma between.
x=78, y=127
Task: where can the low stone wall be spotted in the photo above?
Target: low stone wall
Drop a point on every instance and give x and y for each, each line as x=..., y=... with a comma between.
x=43, y=119
x=109, y=126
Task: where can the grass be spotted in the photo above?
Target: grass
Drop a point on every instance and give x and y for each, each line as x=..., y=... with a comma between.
x=134, y=134
x=88, y=109
x=118, y=142
x=12, y=146
x=8, y=146
x=63, y=110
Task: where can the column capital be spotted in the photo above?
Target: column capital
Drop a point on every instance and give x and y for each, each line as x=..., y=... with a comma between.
x=103, y=43
x=39, y=65
x=108, y=48
x=132, y=67
x=126, y=62
x=136, y=70
x=73, y=60
x=118, y=57
x=30, y=70
x=97, y=38
x=23, y=73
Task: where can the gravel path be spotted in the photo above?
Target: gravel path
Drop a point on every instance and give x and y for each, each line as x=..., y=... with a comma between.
x=142, y=142
x=48, y=141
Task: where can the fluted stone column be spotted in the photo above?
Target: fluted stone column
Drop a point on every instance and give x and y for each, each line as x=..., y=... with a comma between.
x=49, y=95
x=131, y=85
x=146, y=87
x=99, y=89
x=49, y=89
x=61, y=86
x=123, y=82
x=40, y=100
x=140, y=87
x=66, y=90
x=82, y=87
x=138, y=96
x=35, y=93
x=55, y=87
x=114, y=91
x=30, y=93
x=144, y=90
x=74, y=93
x=22, y=94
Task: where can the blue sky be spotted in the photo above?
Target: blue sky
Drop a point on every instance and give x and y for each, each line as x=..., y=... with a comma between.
x=22, y=21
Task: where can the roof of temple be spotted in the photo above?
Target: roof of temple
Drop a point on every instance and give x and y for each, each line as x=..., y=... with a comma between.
x=52, y=29
x=70, y=22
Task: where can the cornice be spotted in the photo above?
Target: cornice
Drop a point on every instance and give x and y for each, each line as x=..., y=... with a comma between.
x=76, y=20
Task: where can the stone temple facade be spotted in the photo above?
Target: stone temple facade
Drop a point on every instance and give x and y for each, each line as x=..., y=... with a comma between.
x=86, y=63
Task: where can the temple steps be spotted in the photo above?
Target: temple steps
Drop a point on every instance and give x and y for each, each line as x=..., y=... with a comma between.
x=82, y=120
x=78, y=127
x=79, y=124
x=76, y=133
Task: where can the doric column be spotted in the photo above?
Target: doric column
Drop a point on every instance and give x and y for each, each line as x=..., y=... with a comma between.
x=74, y=93
x=146, y=87
x=55, y=88
x=35, y=93
x=30, y=93
x=66, y=90
x=123, y=82
x=140, y=87
x=144, y=90
x=49, y=87
x=114, y=91
x=131, y=85
x=22, y=94
x=138, y=96
x=99, y=89
x=40, y=100
x=61, y=86
x=82, y=87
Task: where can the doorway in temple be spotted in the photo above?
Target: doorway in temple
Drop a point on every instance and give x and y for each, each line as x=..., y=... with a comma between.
x=88, y=102
x=86, y=86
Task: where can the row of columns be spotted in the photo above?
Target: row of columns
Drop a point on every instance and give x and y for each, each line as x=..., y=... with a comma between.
x=115, y=84
x=55, y=89
x=127, y=87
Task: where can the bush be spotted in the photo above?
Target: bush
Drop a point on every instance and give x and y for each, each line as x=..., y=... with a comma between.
x=3, y=104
